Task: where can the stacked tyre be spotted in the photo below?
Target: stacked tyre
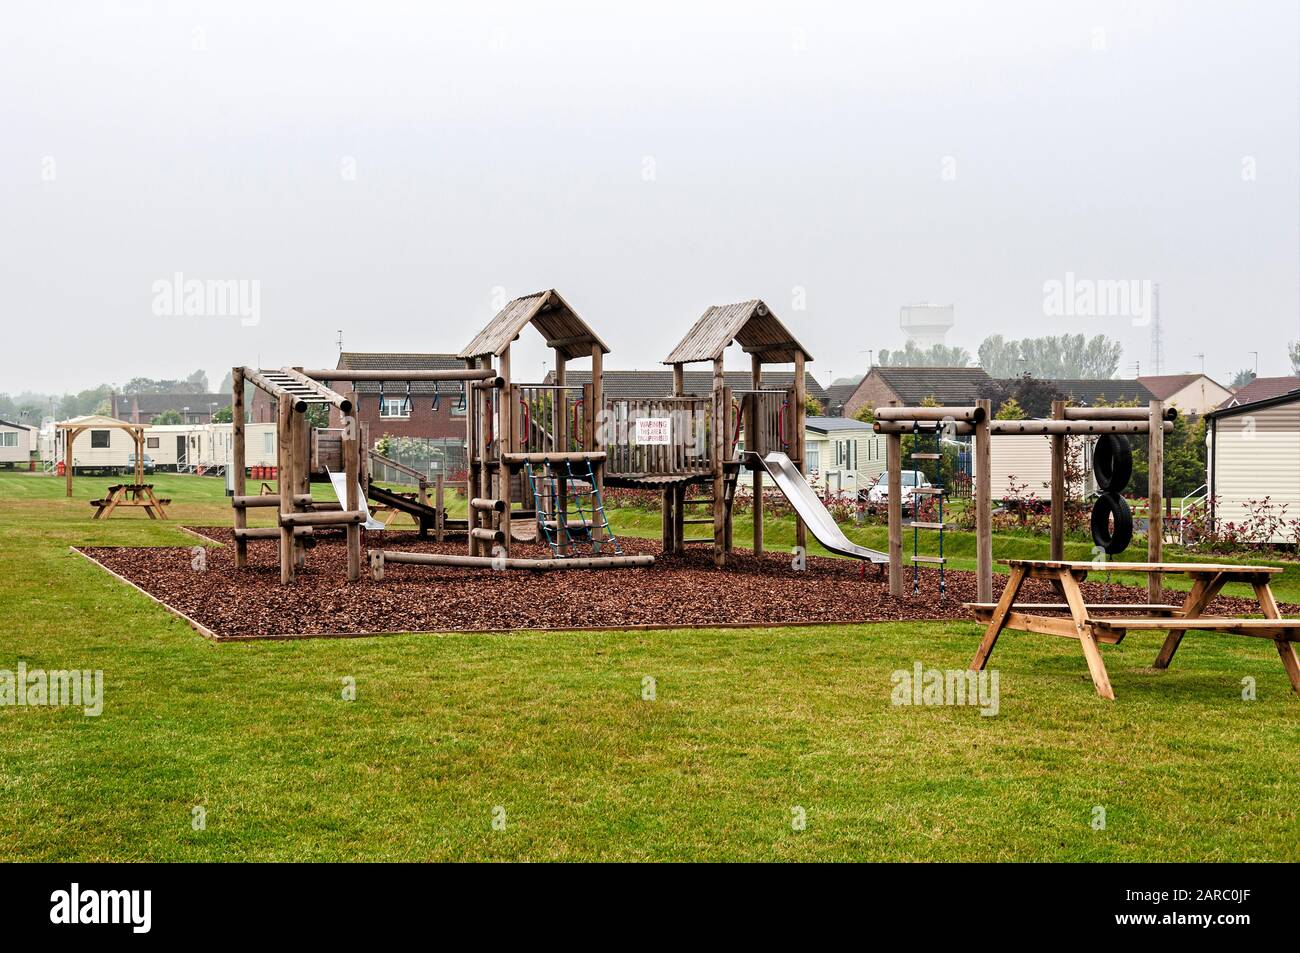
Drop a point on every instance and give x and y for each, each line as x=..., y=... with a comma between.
x=1112, y=520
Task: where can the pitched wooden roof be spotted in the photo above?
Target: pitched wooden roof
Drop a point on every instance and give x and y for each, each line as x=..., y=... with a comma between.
x=649, y=384
x=558, y=323
x=750, y=323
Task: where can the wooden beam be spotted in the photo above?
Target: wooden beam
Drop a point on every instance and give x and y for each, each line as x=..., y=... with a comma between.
x=751, y=433
x=351, y=448
x=894, y=466
x=1059, y=501
x=1156, y=493
x=284, y=444
x=800, y=440
x=237, y=461
x=984, y=507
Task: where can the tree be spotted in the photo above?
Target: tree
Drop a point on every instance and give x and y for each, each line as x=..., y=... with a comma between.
x=866, y=414
x=227, y=384
x=223, y=416
x=168, y=418
x=1243, y=377
x=1033, y=396
x=999, y=357
x=937, y=355
x=1063, y=357
x=196, y=383
x=812, y=407
x=1010, y=409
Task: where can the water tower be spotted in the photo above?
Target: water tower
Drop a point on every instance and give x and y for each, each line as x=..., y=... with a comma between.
x=926, y=324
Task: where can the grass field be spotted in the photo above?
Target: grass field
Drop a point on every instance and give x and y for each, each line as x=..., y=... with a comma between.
x=552, y=733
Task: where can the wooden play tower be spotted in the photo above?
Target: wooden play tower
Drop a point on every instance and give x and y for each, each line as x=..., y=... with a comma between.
x=689, y=446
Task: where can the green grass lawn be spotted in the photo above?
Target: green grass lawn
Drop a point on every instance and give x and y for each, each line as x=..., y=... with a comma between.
x=554, y=731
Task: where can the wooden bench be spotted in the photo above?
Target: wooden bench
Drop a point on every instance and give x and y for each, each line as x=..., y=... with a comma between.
x=1108, y=623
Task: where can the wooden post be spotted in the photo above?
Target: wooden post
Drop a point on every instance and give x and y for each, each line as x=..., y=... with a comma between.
x=237, y=458
x=752, y=427
x=729, y=499
x=284, y=483
x=301, y=477
x=679, y=495
x=983, y=507
x=439, y=505
x=351, y=447
x=598, y=406
x=1059, y=501
x=69, y=438
x=506, y=442
x=719, y=473
x=894, y=465
x=1156, y=491
x=799, y=440
x=472, y=452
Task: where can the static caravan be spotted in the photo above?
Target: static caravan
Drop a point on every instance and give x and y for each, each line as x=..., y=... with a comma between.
x=99, y=450
x=1024, y=463
x=17, y=441
x=171, y=446
x=844, y=455
x=1253, y=453
x=187, y=447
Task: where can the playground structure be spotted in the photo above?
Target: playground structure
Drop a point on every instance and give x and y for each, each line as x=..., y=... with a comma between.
x=137, y=493
x=895, y=422
x=540, y=455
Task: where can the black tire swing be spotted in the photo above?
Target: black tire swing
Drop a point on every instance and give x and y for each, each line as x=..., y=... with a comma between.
x=1112, y=466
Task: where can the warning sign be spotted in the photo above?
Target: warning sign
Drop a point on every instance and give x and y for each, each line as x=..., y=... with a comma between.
x=654, y=431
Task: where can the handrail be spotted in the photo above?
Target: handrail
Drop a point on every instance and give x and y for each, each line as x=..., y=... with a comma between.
x=376, y=456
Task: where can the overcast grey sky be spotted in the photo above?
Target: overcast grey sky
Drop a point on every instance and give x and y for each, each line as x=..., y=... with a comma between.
x=387, y=169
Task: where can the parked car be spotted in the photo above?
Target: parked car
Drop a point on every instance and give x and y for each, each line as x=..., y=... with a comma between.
x=130, y=464
x=877, y=495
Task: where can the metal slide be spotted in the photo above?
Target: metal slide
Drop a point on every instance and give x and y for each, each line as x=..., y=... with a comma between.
x=810, y=510
x=340, y=484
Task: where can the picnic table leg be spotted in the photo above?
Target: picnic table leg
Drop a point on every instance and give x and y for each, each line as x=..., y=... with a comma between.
x=998, y=619
x=1264, y=593
x=1091, y=651
x=113, y=499
x=157, y=507
x=1204, y=589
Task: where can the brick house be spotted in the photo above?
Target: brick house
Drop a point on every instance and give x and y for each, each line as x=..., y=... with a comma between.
x=393, y=409
x=143, y=408
x=911, y=386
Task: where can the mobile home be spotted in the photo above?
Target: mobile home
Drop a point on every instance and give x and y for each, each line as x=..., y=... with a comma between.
x=1253, y=453
x=1023, y=465
x=17, y=441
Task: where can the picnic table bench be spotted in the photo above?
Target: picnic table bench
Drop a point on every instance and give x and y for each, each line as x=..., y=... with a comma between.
x=1108, y=623
x=131, y=494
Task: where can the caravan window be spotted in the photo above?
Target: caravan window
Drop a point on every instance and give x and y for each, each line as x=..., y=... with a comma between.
x=99, y=439
x=268, y=443
x=9, y=439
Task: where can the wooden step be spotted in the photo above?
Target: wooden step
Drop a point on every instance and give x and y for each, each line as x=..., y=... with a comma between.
x=688, y=522
x=926, y=525
x=937, y=560
x=928, y=490
x=925, y=456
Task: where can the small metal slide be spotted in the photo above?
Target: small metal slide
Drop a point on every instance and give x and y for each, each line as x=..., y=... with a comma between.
x=340, y=483
x=810, y=510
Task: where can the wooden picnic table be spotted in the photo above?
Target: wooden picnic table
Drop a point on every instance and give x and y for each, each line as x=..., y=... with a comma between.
x=1096, y=623
x=130, y=494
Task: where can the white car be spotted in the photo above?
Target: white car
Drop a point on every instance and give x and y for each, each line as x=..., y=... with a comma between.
x=878, y=495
